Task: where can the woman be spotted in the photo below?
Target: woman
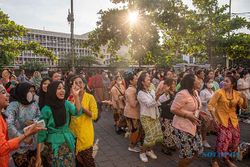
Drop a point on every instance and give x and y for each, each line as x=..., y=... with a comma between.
x=106, y=88
x=149, y=116
x=42, y=92
x=82, y=126
x=56, y=76
x=12, y=83
x=185, y=121
x=23, y=111
x=223, y=108
x=200, y=76
x=118, y=104
x=156, y=79
x=58, y=139
x=36, y=79
x=106, y=83
x=211, y=75
x=5, y=77
x=205, y=95
x=166, y=99
x=243, y=85
x=131, y=112
x=8, y=145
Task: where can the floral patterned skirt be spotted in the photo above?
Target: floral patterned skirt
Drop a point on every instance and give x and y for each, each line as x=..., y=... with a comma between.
x=85, y=158
x=188, y=144
x=64, y=158
x=169, y=139
x=152, y=129
x=228, y=138
x=27, y=159
x=135, y=130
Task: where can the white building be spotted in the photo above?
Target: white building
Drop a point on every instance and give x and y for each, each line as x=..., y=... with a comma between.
x=58, y=42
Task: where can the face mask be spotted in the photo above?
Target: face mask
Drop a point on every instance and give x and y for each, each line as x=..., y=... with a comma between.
x=106, y=76
x=83, y=76
x=210, y=85
x=29, y=97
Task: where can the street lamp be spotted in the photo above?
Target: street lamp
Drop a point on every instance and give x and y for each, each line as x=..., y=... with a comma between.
x=227, y=57
x=72, y=45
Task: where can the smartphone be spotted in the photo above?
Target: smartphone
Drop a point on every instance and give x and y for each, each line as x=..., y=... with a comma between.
x=41, y=123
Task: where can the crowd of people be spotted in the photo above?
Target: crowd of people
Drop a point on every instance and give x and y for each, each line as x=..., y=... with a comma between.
x=177, y=110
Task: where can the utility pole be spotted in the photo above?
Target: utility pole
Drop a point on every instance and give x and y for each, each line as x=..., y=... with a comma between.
x=72, y=43
x=227, y=57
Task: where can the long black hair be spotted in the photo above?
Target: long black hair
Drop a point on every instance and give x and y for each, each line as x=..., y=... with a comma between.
x=129, y=76
x=156, y=75
x=72, y=79
x=169, y=81
x=140, y=80
x=233, y=81
x=188, y=83
x=42, y=94
x=68, y=85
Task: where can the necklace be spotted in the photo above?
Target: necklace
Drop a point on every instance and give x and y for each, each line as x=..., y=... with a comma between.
x=230, y=103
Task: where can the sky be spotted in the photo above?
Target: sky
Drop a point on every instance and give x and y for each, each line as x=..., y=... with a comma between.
x=51, y=15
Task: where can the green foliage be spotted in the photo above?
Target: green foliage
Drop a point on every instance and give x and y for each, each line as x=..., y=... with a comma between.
x=115, y=30
x=33, y=66
x=86, y=60
x=11, y=47
x=202, y=32
x=209, y=34
x=119, y=62
x=237, y=46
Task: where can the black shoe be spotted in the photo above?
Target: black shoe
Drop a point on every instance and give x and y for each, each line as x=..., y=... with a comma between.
x=118, y=130
x=166, y=151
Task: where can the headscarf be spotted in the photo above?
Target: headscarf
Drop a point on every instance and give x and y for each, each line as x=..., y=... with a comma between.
x=19, y=93
x=36, y=81
x=57, y=106
x=42, y=94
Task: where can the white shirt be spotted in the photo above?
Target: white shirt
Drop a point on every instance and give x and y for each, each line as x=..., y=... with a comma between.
x=148, y=104
x=243, y=84
x=205, y=96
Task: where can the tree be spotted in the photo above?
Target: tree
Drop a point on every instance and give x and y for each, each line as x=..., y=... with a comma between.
x=119, y=62
x=33, y=66
x=237, y=46
x=87, y=60
x=202, y=32
x=209, y=33
x=10, y=45
x=114, y=30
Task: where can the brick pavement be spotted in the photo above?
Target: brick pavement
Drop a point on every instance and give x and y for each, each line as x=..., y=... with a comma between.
x=113, y=149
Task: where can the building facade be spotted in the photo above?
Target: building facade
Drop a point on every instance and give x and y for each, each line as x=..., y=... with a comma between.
x=57, y=42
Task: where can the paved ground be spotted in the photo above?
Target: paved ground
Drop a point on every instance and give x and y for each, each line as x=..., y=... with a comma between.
x=113, y=149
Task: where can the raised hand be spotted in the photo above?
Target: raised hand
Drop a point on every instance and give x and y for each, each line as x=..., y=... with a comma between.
x=75, y=89
x=34, y=128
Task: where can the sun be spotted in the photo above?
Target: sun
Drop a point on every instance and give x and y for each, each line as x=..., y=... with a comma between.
x=133, y=17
